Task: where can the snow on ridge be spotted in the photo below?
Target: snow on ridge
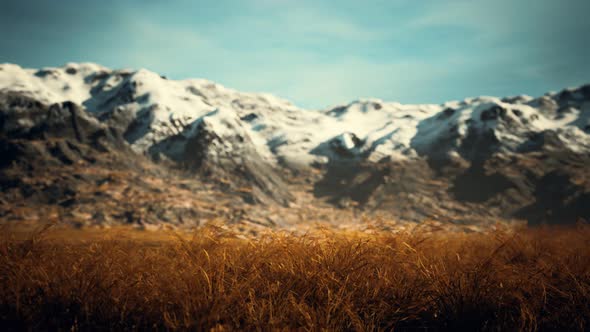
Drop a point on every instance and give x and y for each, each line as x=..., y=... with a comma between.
x=160, y=108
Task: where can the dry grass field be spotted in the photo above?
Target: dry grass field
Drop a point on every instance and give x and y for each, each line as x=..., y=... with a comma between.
x=525, y=279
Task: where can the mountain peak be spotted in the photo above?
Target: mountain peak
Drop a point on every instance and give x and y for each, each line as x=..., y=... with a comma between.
x=257, y=138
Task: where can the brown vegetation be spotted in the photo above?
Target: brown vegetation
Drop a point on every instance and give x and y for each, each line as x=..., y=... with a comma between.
x=527, y=279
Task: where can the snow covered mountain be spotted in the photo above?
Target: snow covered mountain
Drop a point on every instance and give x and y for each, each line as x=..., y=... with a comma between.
x=151, y=109
x=260, y=138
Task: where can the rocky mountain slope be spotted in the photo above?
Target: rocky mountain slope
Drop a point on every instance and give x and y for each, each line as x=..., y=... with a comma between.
x=61, y=163
x=462, y=161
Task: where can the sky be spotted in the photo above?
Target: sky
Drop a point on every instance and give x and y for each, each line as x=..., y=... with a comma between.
x=317, y=53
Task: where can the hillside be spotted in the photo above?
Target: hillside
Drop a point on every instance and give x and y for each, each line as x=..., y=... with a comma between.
x=463, y=162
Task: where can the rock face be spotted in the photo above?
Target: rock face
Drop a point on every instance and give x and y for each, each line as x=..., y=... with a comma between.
x=222, y=149
x=462, y=161
x=61, y=133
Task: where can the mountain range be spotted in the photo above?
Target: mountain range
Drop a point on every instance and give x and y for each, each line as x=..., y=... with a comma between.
x=86, y=143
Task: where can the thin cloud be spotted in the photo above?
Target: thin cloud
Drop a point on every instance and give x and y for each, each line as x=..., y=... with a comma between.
x=317, y=53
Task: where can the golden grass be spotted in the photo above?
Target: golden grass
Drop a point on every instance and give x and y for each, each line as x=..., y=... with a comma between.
x=527, y=279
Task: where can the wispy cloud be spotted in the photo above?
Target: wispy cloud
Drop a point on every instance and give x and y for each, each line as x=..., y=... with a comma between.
x=301, y=75
x=309, y=23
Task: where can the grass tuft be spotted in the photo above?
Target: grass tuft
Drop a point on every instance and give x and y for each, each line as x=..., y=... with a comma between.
x=528, y=279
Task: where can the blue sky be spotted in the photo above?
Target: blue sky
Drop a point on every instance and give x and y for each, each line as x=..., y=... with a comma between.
x=317, y=53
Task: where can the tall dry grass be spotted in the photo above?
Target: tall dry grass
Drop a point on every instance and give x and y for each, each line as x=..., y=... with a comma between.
x=530, y=279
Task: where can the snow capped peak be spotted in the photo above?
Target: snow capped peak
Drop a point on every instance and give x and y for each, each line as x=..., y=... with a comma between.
x=159, y=115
